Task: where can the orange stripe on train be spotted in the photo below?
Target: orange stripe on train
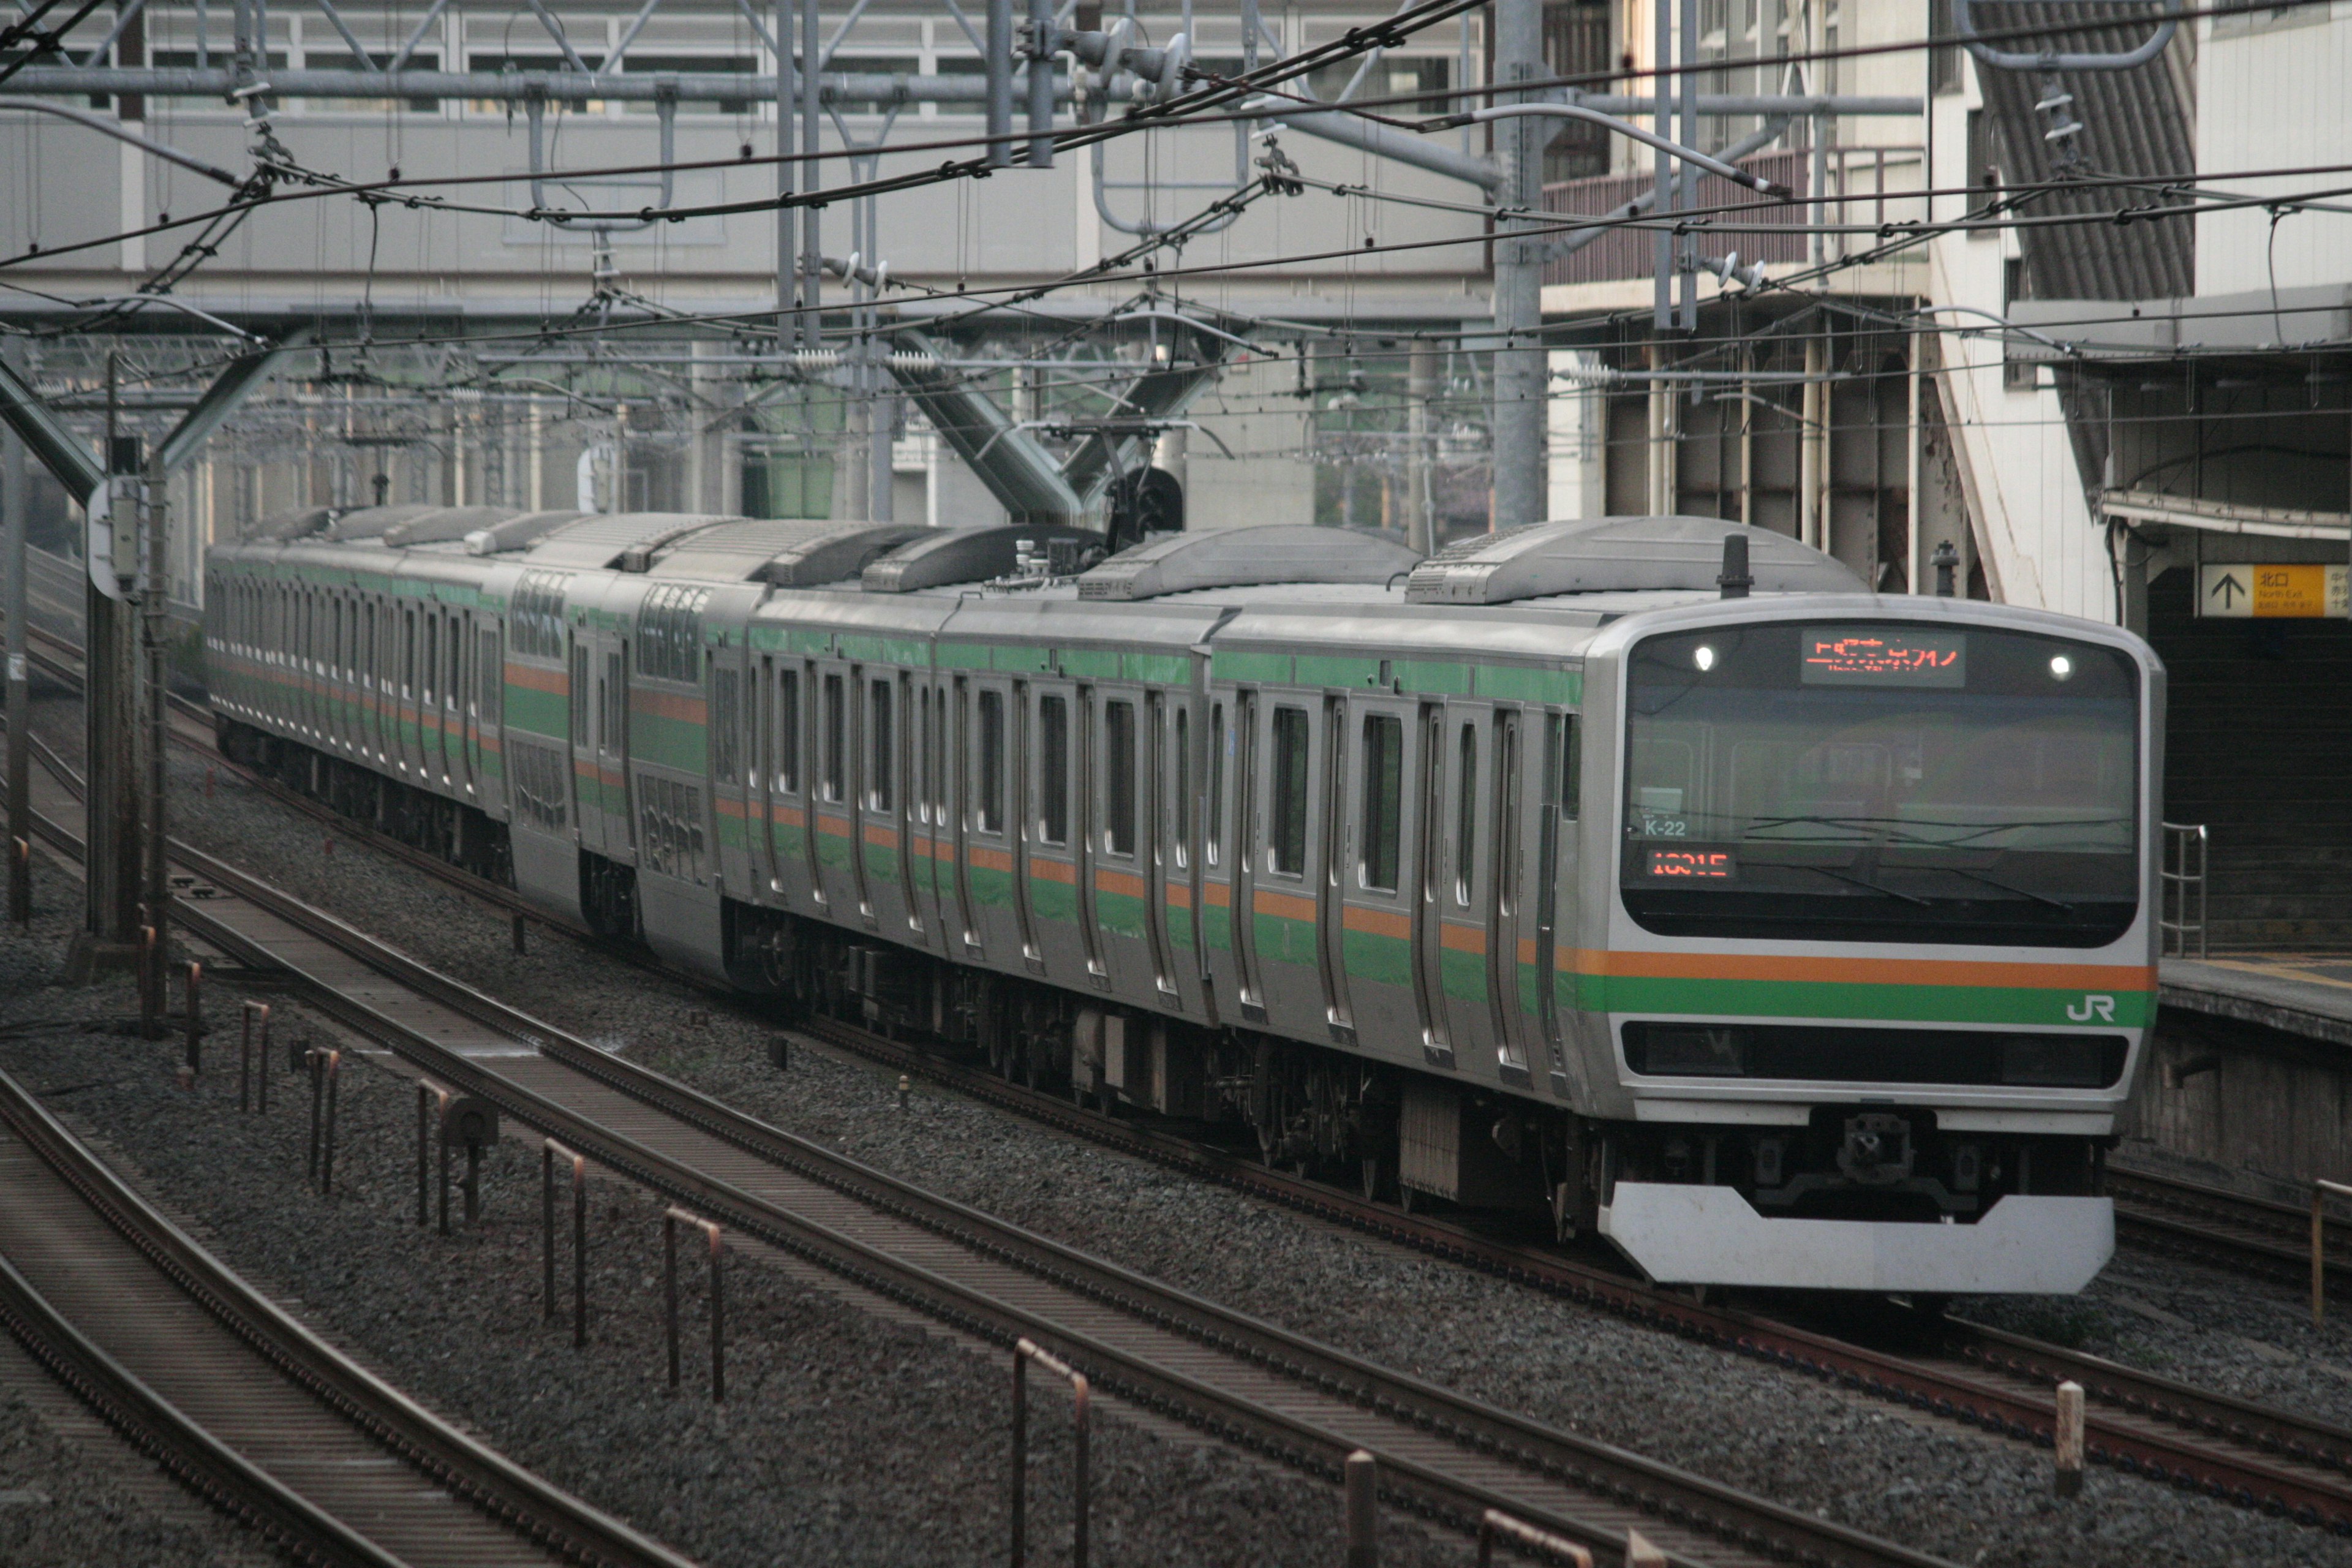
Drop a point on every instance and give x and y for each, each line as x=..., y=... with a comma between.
x=1862, y=971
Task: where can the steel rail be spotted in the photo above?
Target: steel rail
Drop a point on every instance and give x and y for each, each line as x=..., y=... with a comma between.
x=2140, y=1423
x=276, y=1349
x=1619, y=1487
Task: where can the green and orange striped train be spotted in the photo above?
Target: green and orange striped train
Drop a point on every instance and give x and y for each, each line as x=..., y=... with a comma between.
x=1649, y=871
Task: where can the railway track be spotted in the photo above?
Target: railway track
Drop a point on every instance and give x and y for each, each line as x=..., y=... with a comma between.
x=2139, y=1423
x=1242, y=1380
x=2232, y=1229
x=243, y=1404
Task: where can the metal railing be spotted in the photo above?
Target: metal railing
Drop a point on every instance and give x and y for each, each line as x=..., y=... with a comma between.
x=2179, y=887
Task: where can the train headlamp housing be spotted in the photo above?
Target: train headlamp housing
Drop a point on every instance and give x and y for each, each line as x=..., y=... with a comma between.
x=1830, y=1053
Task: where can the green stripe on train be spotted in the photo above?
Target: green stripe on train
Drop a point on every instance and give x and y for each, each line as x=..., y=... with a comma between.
x=1832, y=999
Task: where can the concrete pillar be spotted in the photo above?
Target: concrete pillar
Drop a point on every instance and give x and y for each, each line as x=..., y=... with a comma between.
x=1420, y=385
x=1664, y=469
x=1814, y=447
x=1519, y=379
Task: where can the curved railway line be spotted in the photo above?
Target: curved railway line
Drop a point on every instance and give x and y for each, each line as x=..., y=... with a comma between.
x=1242, y=1380
x=247, y=1407
x=2139, y=1421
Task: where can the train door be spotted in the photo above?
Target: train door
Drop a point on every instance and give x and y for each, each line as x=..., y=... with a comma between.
x=761, y=804
x=839, y=870
x=972, y=771
x=411, y=724
x=1556, y=864
x=612, y=753
x=465, y=711
x=1466, y=967
x=935, y=871
x=490, y=690
x=587, y=786
x=1510, y=940
x=1121, y=802
x=428, y=698
x=1430, y=890
x=791, y=833
x=1330, y=914
x=1242, y=776
x=1286, y=880
x=1164, y=819
x=1376, y=875
x=733, y=783
x=1056, y=911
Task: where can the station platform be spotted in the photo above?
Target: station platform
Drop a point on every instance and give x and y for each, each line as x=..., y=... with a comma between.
x=2305, y=993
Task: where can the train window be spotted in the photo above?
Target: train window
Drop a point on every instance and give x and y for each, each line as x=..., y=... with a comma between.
x=1465, y=815
x=432, y=652
x=938, y=757
x=616, y=702
x=492, y=675
x=1054, y=770
x=1119, y=777
x=1216, y=824
x=579, y=694
x=1286, y=840
x=1382, y=812
x=727, y=724
x=407, y=653
x=788, y=731
x=1571, y=768
x=836, y=725
x=879, y=735
x=991, y=761
x=1183, y=812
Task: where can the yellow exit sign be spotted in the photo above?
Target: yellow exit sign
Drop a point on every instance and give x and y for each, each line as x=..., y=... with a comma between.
x=2303, y=590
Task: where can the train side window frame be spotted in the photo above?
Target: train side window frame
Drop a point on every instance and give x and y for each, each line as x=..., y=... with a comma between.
x=989, y=804
x=1381, y=809
x=1053, y=768
x=1180, y=807
x=1465, y=814
x=787, y=729
x=1571, y=767
x=1214, y=849
x=881, y=744
x=1289, y=764
x=834, y=779
x=1120, y=739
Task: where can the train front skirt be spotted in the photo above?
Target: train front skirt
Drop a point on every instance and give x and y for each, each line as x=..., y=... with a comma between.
x=1687, y=1234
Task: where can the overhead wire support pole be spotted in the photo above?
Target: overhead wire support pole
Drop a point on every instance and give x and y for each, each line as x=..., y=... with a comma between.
x=811, y=248
x=787, y=214
x=998, y=65
x=16, y=496
x=1041, y=84
x=1687, y=133
x=1519, y=391
x=1662, y=188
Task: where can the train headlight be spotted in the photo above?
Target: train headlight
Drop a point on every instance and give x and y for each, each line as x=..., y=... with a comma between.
x=1687, y=1050
x=2062, y=667
x=1703, y=656
x=2060, y=1061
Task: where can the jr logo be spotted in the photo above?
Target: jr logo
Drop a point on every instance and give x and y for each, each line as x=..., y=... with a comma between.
x=2094, y=1005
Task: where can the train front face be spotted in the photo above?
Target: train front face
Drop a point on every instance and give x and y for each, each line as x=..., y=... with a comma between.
x=1879, y=946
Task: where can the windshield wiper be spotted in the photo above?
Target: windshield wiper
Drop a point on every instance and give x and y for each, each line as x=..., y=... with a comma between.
x=2009, y=888
x=1873, y=886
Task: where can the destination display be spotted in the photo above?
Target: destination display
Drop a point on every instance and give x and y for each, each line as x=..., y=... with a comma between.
x=1712, y=865
x=1883, y=656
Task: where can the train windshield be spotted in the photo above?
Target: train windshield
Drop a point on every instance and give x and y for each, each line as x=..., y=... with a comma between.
x=1881, y=782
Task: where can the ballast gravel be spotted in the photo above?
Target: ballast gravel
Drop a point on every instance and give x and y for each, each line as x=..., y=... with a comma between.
x=845, y=1439
x=1931, y=1485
